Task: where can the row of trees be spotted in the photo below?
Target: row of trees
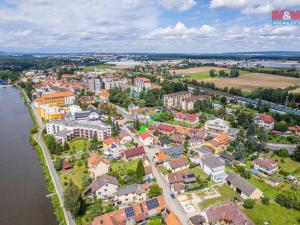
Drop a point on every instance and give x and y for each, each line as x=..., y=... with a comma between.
x=223, y=73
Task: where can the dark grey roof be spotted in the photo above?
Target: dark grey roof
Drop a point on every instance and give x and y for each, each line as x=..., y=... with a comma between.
x=197, y=220
x=102, y=180
x=204, y=150
x=227, y=156
x=165, y=141
x=241, y=183
x=212, y=161
x=175, y=150
x=133, y=188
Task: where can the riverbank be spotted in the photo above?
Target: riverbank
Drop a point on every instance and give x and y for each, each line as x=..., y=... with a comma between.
x=45, y=170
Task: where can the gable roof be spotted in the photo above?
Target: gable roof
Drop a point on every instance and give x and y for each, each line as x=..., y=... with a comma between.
x=133, y=188
x=241, y=183
x=161, y=156
x=176, y=177
x=131, y=152
x=143, y=135
x=94, y=159
x=174, y=150
x=266, y=163
x=177, y=163
x=212, y=161
x=110, y=140
x=102, y=180
x=266, y=118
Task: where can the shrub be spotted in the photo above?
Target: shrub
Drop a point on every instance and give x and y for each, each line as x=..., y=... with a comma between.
x=265, y=200
x=249, y=203
x=283, y=152
x=283, y=172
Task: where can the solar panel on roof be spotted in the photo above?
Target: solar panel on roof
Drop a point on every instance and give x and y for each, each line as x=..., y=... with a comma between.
x=152, y=203
x=129, y=212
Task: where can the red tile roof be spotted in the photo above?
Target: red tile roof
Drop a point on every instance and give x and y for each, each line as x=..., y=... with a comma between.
x=166, y=128
x=266, y=118
x=144, y=79
x=132, y=152
x=266, y=163
x=143, y=135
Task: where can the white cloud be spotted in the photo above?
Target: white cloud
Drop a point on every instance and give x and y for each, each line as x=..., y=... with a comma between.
x=178, y=5
x=255, y=6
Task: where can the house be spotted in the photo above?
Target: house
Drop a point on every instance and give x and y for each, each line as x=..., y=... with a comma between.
x=130, y=194
x=137, y=213
x=67, y=165
x=97, y=165
x=141, y=83
x=177, y=164
x=165, y=142
x=124, y=137
x=213, y=167
x=107, y=142
x=103, y=187
x=104, y=96
x=266, y=121
x=266, y=165
x=145, y=138
x=178, y=181
x=243, y=187
x=161, y=158
x=197, y=138
x=178, y=188
x=188, y=104
x=216, y=126
x=174, y=178
x=134, y=153
x=60, y=98
x=178, y=139
x=174, y=151
x=295, y=129
x=111, y=83
x=94, y=85
x=171, y=219
x=183, y=130
x=227, y=157
x=148, y=174
x=87, y=100
x=187, y=118
x=174, y=100
x=219, y=143
x=115, y=150
x=227, y=213
x=165, y=129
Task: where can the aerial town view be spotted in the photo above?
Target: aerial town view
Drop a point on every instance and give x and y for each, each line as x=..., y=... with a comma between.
x=162, y=112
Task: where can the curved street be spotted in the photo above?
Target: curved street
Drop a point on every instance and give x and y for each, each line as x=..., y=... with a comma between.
x=59, y=190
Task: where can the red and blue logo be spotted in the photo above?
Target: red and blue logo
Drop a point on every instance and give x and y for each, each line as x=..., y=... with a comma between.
x=286, y=17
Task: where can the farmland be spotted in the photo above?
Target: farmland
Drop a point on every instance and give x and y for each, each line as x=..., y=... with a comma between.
x=251, y=81
x=195, y=70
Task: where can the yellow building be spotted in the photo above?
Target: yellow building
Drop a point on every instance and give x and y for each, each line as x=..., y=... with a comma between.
x=59, y=98
x=51, y=111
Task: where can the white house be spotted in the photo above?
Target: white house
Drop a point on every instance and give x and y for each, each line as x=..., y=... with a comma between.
x=145, y=138
x=177, y=164
x=266, y=165
x=97, y=165
x=266, y=121
x=104, y=187
x=130, y=194
x=214, y=167
x=216, y=126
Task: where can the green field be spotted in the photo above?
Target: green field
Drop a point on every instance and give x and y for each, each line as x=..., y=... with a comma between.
x=226, y=193
x=205, y=75
x=123, y=167
x=97, y=68
x=79, y=145
x=275, y=214
x=74, y=174
x=288, y=165
x=265, y=188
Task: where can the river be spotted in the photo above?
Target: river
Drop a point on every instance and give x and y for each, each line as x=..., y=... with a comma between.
x=22, y=185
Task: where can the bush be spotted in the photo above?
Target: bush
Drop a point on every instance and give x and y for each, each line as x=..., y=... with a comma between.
x=249, y=203
x=283, y=172
x=265, y=200
x=283, y=152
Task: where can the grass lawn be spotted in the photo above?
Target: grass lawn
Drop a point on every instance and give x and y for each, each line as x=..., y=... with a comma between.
x=226, y=193
x=288, y=165
x=163, y=170
x=97, y=67
x=123, y=167
x=79, y=144
x=180, y=123
x=206, y=76
x=74, y=174
x=274, y=213
x=197, y=171
x=265, y=188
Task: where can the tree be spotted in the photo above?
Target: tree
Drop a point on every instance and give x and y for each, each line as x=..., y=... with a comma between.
x=96, y=209
x=72, y=198
x=212, y=73
x=140, y=171
x=223, y=100
x=265, y=200
x=222, y=73
x=94, y=143
x=251, y=130
x=283, y=152
x=239, y=151
x=234, y=73
x=154, y=190
x=262, y=136
x=115, y=129
x=51, y=143
x=86, y=180
x=136, y=124
x=58, y=164
x=66, y=146
x=249, y=203
x=281, y=126
x=58, y=148
x=154, y=222
x=296, y=155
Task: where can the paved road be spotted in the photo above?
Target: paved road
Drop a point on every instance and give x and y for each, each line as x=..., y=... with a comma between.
x=276, y=147
x=173, y=204
x=53, y=173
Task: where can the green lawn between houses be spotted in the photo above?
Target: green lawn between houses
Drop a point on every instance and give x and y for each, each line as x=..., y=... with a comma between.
x=226, y=193
x=97, y=67
x=123, y=167
x=288, y=165
x=275, y=214
x=79, y=144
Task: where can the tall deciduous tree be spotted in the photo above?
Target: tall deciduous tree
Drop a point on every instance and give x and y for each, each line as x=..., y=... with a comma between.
x=140, y=171
x=72, y=198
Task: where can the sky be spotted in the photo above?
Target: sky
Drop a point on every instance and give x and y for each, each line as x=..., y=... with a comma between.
x=153, y=26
